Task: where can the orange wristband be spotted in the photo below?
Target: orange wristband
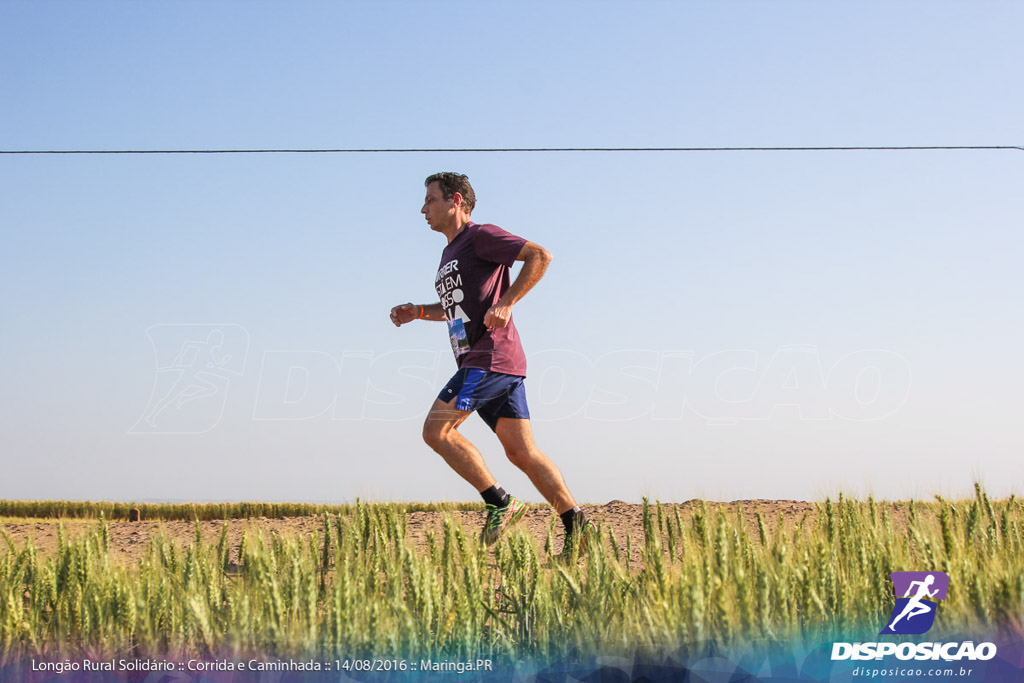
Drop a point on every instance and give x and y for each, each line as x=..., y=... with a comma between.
x=421, y=313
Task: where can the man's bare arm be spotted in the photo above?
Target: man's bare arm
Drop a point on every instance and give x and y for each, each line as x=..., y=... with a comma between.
x=406, y=313
x=535, y=260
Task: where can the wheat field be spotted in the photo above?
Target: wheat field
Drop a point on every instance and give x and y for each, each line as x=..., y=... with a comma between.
x=357, y=586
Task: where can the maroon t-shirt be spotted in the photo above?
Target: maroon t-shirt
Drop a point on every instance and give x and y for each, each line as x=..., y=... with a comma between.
x=474, y=273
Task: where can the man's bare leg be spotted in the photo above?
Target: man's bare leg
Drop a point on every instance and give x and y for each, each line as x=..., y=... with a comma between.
x=516, y=436
x=440, y=431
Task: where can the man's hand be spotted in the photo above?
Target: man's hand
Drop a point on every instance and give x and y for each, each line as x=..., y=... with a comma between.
x=498, y=316
x=404, y=313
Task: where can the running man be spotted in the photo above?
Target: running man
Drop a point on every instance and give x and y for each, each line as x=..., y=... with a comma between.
x=476, y=300
x=915, y=605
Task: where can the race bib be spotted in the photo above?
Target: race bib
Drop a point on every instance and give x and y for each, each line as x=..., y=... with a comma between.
x=457, y=336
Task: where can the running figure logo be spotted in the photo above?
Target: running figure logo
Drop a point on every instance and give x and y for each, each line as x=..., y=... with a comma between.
x=194, y=367
x=917, y=596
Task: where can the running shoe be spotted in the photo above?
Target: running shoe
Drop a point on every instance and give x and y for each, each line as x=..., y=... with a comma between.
x=578, y=543
x=499, y=519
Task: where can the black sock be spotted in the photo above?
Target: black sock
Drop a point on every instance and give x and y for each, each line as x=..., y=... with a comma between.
x=573, y=519
x=495, y=496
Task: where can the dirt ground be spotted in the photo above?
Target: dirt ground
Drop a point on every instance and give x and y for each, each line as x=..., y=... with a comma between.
x=129, y=540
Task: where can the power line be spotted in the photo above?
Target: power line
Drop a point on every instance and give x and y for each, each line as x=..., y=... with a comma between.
x=419, y=150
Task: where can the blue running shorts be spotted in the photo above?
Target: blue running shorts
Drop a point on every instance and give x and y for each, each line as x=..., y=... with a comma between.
x=490, y=394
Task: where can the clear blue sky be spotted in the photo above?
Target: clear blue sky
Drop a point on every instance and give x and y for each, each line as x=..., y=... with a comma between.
x=723, y=325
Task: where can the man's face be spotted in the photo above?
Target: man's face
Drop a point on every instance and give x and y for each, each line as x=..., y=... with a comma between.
x=438, y=211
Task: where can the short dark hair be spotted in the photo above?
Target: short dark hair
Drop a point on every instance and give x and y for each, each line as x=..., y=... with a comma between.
x=450, y=183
